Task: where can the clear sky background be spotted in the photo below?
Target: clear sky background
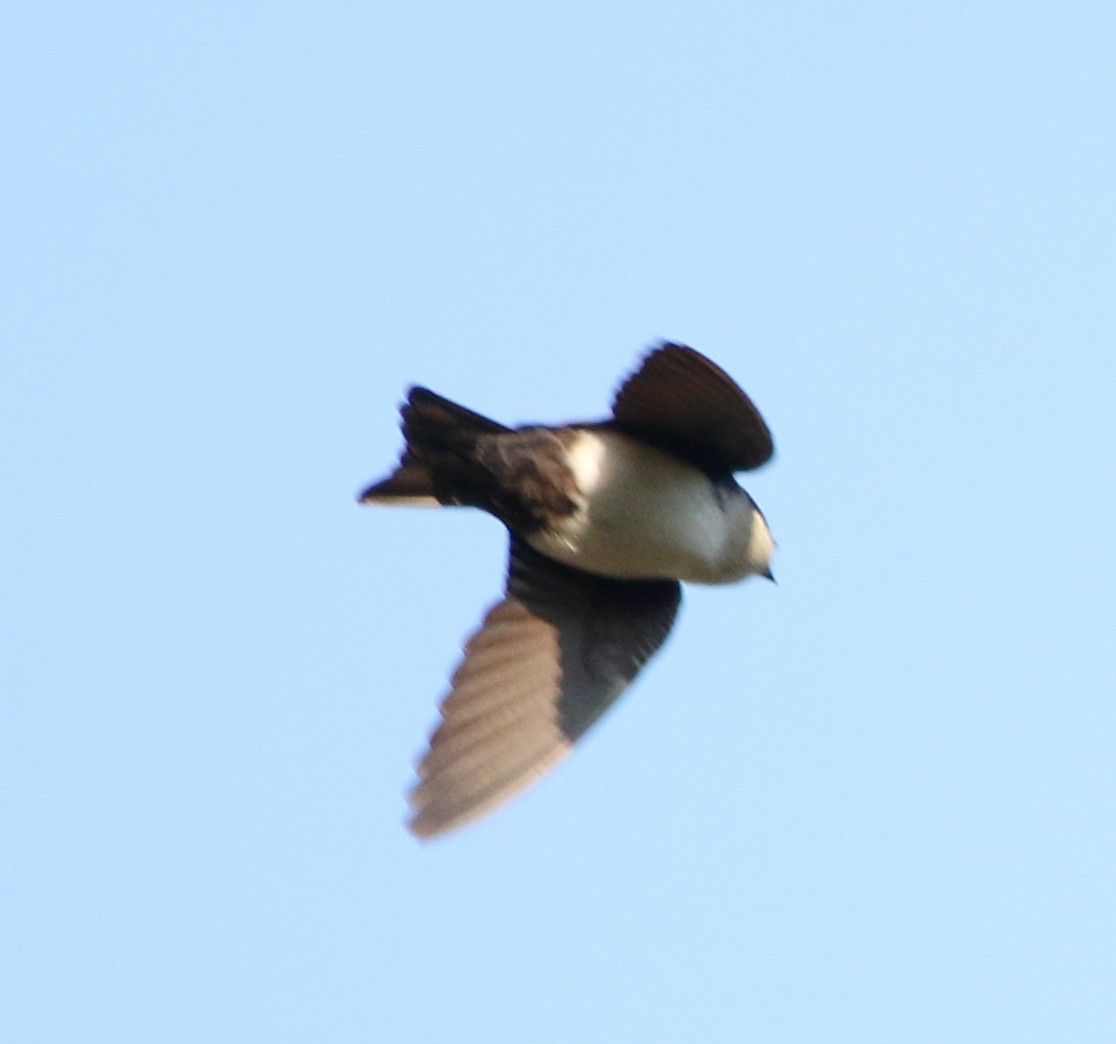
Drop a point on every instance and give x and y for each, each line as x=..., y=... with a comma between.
x=872, y=804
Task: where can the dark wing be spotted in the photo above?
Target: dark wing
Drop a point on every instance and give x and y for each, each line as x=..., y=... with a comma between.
x=682, y=402
x=547, y=662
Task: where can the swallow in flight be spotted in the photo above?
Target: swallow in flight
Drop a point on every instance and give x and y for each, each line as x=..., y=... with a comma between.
x=605, y=518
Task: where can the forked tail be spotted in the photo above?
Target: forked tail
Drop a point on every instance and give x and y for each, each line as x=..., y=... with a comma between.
x=438, y=464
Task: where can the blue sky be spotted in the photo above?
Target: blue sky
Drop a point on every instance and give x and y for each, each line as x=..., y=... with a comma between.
x=874, y=803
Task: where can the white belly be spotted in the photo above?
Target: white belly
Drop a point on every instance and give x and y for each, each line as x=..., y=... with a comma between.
x=647, y=515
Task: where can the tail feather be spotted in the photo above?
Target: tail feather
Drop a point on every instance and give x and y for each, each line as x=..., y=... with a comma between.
x=437, y=464
x=410, y=485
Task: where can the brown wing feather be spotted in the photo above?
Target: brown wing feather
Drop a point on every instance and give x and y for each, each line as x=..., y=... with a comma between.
x=499, y=729
x=545, y=664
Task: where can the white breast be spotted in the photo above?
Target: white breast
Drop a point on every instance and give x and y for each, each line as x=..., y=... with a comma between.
x=645, y=514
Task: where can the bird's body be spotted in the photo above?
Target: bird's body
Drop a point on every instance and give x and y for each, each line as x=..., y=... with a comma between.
x=605, y=519
x=642, y=514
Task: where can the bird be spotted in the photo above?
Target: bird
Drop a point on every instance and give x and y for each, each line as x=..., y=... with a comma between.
x=605, y=520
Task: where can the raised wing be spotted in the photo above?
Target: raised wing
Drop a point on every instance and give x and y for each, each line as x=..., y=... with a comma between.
x=682, y=402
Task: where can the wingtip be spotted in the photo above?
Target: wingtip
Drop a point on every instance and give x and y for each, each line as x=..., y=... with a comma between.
x=423, y=832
